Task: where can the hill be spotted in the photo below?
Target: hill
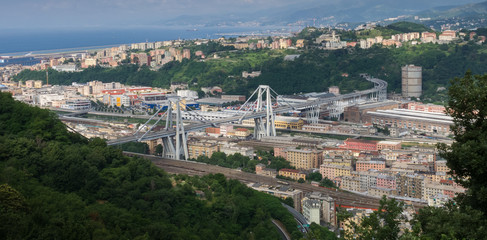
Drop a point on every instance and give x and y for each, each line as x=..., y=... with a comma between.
x=314, y=70
x=405, y=27
x=57, y=185
x=471, y=10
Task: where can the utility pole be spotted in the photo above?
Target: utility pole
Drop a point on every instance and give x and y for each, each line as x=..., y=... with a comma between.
x=47, y=77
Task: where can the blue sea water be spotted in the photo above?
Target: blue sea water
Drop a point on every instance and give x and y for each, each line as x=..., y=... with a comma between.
x=19, y=42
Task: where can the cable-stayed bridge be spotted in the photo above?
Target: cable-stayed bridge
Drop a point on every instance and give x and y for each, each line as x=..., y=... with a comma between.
x=263, y=110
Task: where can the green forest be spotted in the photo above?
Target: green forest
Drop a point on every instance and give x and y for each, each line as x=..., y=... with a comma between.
x=57, y=185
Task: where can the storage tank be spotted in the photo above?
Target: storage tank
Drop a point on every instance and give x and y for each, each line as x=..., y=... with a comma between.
x=412, y=81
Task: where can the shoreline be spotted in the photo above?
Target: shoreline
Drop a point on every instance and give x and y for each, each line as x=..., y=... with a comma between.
x=200, y=34
x=57, y=51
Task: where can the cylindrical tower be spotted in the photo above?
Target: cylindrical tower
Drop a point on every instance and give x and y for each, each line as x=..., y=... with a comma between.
x=411, y=81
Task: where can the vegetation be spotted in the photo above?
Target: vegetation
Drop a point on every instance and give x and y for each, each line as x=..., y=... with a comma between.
x=57, y=185
x=315, y=176
x=314, y=70
x=466, y=156
x=236, y=160
x=245, y=163
x=326, y=182
x=381, y=224
x=406, y=27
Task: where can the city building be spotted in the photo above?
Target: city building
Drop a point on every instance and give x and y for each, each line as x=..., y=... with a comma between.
x=77, y=104
x=242, y=132
x=186, y=53
x=360, y=144
x=417, y=106
x=389, y=145
x=301, y=158
x=234, y=149
x=351, y=183
x=252, y=74
x=280, y=192
x=447, y=35
x=366, y=165
x=331, y=171
x=386, y=181
x=327, y=203
x=283, y=122
x=410, y=185
x=234, y=98
x=379, y=192
x=411, y=81
x=24, y=61
x=311, y=211
x=196, y=148
x=428, y=37
x=334, y=89
x=292, y=173
x=260, y=169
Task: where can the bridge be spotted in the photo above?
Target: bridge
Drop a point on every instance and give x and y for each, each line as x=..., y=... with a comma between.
x=262, y=110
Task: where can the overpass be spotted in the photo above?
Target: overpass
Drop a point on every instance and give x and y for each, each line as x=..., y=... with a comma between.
x=262, y=110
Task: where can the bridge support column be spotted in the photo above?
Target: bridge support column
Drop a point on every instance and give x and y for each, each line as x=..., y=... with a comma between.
x=180, y=151
x=267, y=128
x=313, y=114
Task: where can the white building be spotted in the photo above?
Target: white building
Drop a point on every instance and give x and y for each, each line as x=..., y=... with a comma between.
x=311, y=211
x=77, y=104
x=47, y=100
x=66, y=68
x=187, y=94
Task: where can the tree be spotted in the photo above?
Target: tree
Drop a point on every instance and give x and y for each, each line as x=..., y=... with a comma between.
x=325, y=182
x=159, y=149
x=315, y=176
x=381, y=224
x=466, y=156
x=301, y=180
x=318, y=232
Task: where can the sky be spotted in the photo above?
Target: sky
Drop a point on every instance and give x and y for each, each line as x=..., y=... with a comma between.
x=92, y=13
x=73, y=14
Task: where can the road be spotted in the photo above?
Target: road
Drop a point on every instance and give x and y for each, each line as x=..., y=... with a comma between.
x=282, y=230
x=195, y=168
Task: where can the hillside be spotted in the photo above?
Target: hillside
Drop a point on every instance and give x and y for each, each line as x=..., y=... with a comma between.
x=405, y=27
x=314, y=70
x=471, y=10
x=56, y=185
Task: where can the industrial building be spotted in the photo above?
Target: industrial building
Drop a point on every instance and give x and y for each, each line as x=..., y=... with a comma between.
x=411, y=81
x=413, y=120
x=358, y=113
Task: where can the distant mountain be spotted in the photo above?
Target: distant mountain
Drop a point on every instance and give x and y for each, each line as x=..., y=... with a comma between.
x=467, y=10
x=329, y=12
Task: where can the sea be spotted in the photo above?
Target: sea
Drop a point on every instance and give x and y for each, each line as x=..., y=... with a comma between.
x=26, y=42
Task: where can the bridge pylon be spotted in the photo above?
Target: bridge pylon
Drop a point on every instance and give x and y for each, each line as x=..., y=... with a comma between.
x=180, y=149
x=265, y=127
x=313, y=114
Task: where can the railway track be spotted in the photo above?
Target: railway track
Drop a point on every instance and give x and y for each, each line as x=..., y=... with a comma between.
x=200, y=169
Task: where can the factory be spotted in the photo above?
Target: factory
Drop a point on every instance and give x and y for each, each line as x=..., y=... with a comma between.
x=414, y=120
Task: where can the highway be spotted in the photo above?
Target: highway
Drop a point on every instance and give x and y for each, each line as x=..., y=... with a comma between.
x=195, y=168
x=380, y=85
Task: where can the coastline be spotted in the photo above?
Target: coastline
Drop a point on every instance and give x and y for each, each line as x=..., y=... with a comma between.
x=48, y=43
